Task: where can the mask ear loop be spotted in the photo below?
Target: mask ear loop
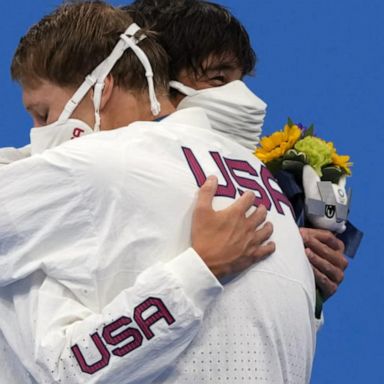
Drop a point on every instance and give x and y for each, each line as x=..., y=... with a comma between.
x=97, y=77
x=97, y=93
x=184, y=89
x=127, y=40
x=132, y=43
x=79, y=95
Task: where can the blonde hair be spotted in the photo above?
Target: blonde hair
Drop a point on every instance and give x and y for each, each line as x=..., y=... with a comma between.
x=69, y=43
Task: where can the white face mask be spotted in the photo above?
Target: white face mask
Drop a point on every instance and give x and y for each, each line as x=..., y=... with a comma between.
x=54, y=134
x=65, y=128
x=232, y=109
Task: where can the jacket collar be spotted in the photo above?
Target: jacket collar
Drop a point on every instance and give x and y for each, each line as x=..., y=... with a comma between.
x=192, y=116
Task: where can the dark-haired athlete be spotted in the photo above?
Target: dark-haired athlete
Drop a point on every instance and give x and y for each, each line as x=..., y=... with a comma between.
x=209, y=47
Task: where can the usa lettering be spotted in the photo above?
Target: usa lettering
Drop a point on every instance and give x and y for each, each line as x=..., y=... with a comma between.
x=120, y=338
x=239, y=175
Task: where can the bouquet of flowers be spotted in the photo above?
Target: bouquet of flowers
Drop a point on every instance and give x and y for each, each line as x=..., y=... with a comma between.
x=318, y=169
x=295, y=146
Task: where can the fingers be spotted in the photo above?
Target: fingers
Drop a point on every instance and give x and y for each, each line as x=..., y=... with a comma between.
x=230, y=240
x=206, y=193
x=323, y=250
x=208, y=190
x=324, y=236
x=243, y=203
x=258, y=216
x=261, y=252
x=326, y=286
x=258, y=249
x=333, y=273
x=262, y=234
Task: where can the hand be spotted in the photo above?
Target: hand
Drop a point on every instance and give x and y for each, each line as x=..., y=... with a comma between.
x=227, y=240
x=326, y=254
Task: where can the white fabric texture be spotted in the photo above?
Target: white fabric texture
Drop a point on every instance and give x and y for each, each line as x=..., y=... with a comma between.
x=9, y=154
x=92, y=232
x=233, y=109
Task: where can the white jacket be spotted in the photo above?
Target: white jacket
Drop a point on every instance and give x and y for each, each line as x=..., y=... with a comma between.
x=9, y=155
x=91, y=288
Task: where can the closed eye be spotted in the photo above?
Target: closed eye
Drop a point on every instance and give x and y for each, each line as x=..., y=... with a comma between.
x=218, y=78
x=217, y=81
x=39, y=120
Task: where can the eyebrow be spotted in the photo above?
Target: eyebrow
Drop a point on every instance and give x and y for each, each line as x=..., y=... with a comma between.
x=221, y=66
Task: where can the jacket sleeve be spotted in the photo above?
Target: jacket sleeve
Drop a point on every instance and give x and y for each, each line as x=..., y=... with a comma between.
x=41, y=214
x=134, y=338
x=9, y=155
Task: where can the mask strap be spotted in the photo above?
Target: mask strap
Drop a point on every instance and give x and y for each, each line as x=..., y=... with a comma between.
x=184, y=89
x=77, y=97
x=132, y=43
x=97, y=77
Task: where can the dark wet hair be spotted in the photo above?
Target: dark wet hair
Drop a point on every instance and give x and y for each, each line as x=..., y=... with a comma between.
x=191, y=31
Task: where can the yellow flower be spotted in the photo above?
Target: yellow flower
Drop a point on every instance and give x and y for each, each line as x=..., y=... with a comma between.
x=340, y=160
x=276, y=145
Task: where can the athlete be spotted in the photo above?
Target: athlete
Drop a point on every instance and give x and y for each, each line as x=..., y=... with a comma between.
x=83, y=298
x=208, y=47
x=183, y=28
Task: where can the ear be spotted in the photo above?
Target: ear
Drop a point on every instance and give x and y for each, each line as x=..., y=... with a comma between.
x=310, y=180
x=107, y=91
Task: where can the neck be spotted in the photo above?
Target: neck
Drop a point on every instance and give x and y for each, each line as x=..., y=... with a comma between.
x=176, y=99
x=125, y=108
x=166, y=107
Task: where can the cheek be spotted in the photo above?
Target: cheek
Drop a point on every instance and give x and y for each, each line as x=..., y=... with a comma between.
x=85, y=112
x=189, y=79
x=235, y=75
x=37, y=123
x=51, y=118
x=204, y=84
